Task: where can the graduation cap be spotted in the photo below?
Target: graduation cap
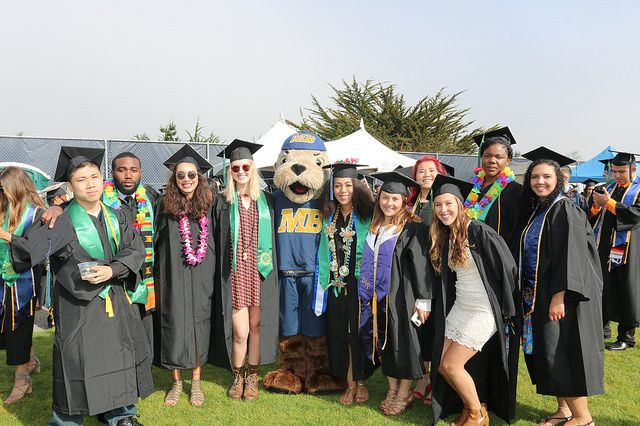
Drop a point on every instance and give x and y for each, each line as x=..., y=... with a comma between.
x=54, y=190
x=502, y=134
x=407, y=171
x=395, y=182
x=623, y=158
x=239, y=150
x=450, y=170
x=72, y=156
x=187, y=154
x=589, y=182
x=544, y=153
x=448, y=185
x=341, y=170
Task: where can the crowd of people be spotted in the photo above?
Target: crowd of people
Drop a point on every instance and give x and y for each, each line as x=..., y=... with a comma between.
x=437, y=281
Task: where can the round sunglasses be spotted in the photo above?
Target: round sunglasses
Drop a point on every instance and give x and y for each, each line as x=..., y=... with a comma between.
x=191, y=174
x=245, y=167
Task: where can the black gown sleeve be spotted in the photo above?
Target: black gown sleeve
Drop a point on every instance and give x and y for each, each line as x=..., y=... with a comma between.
x=628, y=217
x=497, y=255
x=131, y=254
x=32, y=248
x=567, y=250
x=418, y=263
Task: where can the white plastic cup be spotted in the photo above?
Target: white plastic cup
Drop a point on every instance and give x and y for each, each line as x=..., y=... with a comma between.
x=86, y=269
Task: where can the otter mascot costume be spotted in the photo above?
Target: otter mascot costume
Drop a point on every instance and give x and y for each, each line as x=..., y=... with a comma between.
x=299, y=178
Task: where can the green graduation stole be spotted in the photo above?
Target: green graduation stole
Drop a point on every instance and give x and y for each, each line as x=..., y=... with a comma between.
x=89, y=239
x=9, y=276
x=265, y=236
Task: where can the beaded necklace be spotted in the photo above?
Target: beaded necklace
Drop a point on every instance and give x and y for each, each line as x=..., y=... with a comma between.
x=347, y=233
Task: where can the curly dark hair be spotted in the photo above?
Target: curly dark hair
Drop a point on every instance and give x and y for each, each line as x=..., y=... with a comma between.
x=497, y=140
x=176, y=204
x=529, y=197
x=362, y=200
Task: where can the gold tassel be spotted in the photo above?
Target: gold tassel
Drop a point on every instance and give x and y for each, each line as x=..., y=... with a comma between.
x=126, y=293
x=108, y=306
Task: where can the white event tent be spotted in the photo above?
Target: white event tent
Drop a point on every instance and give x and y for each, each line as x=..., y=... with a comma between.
x=271, y=143
x=360, y=147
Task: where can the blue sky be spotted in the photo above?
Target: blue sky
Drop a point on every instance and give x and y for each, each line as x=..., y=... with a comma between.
x=563, y=74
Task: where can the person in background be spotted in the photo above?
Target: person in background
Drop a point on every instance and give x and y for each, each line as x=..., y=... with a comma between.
x=21, y=207
x=589, y=186
x=561, y=283
x=616, y=210
x=347, y=208
x=570, y=190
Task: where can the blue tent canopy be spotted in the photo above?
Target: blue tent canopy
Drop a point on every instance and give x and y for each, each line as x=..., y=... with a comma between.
x=593, y=168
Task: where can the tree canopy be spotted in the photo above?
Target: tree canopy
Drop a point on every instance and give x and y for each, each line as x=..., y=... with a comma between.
x=434, y=124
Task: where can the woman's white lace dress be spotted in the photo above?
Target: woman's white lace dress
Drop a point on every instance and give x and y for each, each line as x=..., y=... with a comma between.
x=470, y=321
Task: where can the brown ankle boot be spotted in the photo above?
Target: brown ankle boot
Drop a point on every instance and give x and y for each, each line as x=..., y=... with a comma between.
x=477, y=417
x=251, y=383
x=237, y=388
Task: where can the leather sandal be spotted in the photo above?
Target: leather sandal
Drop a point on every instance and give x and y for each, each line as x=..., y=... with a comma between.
x=197, y=397
x=398, y=406
x=173, y=396
x=391, y=394
x=362, y=393
x=34, y=364
x=348, y=396
x=19, y=391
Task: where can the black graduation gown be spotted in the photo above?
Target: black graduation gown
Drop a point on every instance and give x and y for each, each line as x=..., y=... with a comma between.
x=130, y=213
x=222, y=332
x=495, y=375
x=342, y=316
x=425, y=331
x=99, y=363
x=183, y=295
x=568, y=355
x=621, y=290
x=505, y=215
x=401, y=357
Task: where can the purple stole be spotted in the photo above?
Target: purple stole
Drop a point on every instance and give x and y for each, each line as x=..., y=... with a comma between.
x=375, y=279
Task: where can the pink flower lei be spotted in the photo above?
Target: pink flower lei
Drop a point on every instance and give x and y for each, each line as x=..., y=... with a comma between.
x=194, y=258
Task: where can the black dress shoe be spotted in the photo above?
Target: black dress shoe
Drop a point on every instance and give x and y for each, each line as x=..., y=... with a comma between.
x=129, y=421
x=618, y=346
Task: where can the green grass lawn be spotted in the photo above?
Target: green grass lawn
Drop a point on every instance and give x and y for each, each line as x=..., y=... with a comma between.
x=619, y=406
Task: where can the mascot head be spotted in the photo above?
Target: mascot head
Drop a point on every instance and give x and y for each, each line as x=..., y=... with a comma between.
x=298, y=169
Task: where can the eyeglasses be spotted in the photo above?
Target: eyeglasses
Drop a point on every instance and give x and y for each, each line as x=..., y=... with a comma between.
x=191, y=174
x=245, y=167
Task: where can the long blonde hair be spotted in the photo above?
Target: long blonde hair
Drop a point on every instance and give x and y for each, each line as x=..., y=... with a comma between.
x=18, y=190
x=456, y=233
x=399, y=220
x=254, y=184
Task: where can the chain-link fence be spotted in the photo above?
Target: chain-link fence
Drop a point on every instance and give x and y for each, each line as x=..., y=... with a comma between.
x=42, y=152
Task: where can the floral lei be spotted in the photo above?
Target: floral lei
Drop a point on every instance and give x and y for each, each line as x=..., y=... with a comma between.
x=111, y=199
x=473, y=207
x=192, y=257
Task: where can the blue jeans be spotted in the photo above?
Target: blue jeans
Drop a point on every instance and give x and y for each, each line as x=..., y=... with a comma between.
x=112, y=417
x=296, y=307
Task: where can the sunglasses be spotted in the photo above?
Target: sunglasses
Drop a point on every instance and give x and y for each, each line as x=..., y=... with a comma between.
x=245, y=167
x=191, y=174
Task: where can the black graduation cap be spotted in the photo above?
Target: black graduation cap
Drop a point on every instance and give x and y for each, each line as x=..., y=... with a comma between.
x=407, y=171
x=502, y=132
x=395, y=182
x=239, y=150
x=606, y=161
x=589, y=182
x=72, y=156
x=54, y=190
x=450, y=170
x=448, y=185
x=187, y=154
x=544, y=153
x=344, y=170
x=623, y=158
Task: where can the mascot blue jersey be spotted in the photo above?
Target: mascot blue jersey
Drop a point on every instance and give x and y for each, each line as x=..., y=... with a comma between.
x=297, y=228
